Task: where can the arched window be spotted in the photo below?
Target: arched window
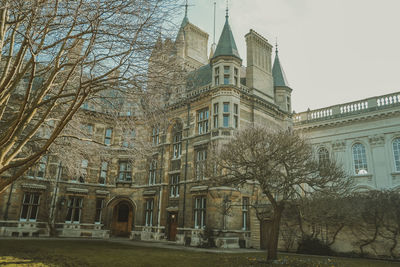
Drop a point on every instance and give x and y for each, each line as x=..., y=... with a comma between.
x=360, y=159
x=323, y=155
x=396, y=154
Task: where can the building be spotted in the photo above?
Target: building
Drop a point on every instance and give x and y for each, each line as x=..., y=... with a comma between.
x=164, y=197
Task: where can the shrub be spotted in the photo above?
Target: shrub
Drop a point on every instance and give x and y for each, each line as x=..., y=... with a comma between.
x=309, y=245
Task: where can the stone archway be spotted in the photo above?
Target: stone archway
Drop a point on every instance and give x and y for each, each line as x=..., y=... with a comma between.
x=121, y=218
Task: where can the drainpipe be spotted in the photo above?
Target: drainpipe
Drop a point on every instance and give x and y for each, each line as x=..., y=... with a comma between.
x=160, y=193
x=55, y=193
x=8, y=202
x=9, y=197
x=186, y=162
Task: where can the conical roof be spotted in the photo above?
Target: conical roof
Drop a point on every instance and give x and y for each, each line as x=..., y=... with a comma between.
x=226, y=44
x=278, y=74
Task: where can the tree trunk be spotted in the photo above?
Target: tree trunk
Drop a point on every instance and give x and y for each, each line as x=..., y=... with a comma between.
x=273, y=235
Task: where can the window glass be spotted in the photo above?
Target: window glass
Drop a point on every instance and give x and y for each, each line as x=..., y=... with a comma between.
x=226, y=120
x=360, y=159
x=226, y=106
x=396, y=154
x=323, y=155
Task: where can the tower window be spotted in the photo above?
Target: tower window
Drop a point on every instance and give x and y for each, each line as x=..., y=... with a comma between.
x=216, y=107
x=216, y=76
x=226, y=74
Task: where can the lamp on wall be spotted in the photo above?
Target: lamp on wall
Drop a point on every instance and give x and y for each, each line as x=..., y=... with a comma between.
x=61, y=202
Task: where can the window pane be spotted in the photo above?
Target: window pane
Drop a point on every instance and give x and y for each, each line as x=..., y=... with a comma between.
x=34, y=210
x=360, y=159
x=226, y=79
x=226, y=69
x=226, y=107
x=226, y=120
x=24, y=212
x=108, y=132
x=396, y=154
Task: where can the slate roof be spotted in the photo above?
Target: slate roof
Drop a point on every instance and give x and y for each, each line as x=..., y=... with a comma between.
x=199, y=77
x=226, y=44
x=278, y=74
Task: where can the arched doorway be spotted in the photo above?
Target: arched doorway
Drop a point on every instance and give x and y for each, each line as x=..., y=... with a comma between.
x=122, y=219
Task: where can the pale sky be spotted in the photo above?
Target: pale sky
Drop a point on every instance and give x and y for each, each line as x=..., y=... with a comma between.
x=332, y=51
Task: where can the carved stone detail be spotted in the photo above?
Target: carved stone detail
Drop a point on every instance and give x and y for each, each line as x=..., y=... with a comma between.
x=339, y=145
x=377, y=140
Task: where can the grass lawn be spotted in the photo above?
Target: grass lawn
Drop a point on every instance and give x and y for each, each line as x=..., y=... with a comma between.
x=44, y=252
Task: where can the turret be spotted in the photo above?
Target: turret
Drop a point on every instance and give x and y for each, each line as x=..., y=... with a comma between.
x=282, y=89
x=226, y=60
x=191, y=44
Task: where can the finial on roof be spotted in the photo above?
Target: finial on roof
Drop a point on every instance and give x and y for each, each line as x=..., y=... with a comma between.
x=186, y=8
x=227, y=10
x=276, y=45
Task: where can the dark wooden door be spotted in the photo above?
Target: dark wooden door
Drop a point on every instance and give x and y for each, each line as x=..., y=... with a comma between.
x=173, y=224
x=122, y=220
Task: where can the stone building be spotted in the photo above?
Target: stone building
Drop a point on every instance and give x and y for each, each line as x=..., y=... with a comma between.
x=165, y=197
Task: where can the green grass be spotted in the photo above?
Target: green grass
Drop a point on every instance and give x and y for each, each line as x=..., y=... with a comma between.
x=102, y=253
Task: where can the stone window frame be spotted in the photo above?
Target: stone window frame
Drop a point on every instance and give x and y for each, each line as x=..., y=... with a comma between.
x=396, y=153
x=152, y=172
x=236, y=115
x=149, y=212
x=203, y=117
x=126, y=172
x=29, y=205
x=200, y=163
x=155, y=135
x=108, y=136
x=215, y=115
x=323, y=154
x=103, y=172
x=174, y=185
x=361, y=162
x=74, y=209
x=245, y=213
x=200, y=211
x=39, y=167
x=177, y=135
x=226, y=114
x=99, y=210
x=216, y=75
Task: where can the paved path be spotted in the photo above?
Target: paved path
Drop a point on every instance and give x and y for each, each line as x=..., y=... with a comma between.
x=153, y=244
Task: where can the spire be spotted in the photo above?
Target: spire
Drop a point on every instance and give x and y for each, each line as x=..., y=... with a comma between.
x=277, y=71
x=185, y=19
x=227, y=10
x=226, y=44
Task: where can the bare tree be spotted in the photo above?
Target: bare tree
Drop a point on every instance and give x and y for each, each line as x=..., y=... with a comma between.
x=56, y=56
x=283, y=164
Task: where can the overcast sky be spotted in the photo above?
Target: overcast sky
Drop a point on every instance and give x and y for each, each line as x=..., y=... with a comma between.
x=333, y=51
